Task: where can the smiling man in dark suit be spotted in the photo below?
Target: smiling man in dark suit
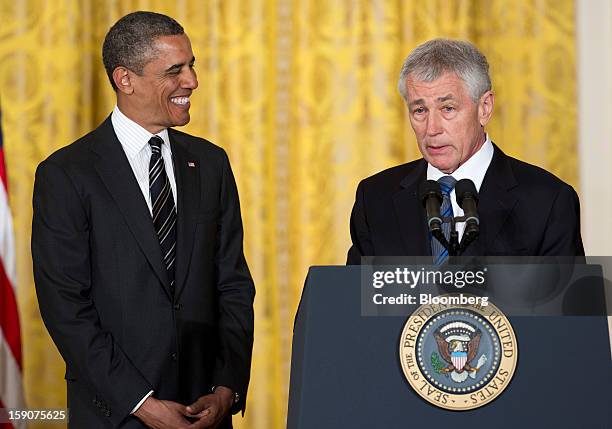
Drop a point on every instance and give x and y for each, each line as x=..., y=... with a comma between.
x=523, y=209
x=137, y=250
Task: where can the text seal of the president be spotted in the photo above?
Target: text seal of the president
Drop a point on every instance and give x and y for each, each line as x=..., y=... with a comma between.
x=458, y=357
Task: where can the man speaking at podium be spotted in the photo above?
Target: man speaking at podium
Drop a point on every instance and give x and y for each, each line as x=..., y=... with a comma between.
x=522, y=209
x=137, y=250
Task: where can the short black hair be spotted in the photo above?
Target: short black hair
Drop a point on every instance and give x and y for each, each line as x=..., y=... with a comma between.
x=129, y=43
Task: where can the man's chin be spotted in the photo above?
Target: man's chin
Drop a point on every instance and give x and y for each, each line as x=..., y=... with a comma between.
x=445, y=166
x=180, y=121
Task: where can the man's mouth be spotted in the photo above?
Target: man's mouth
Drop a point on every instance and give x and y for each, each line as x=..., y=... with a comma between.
x=436, y=149
x=181, y=101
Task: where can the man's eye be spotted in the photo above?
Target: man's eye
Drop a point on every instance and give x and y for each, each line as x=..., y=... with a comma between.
x=419, y=110
x=448, y=109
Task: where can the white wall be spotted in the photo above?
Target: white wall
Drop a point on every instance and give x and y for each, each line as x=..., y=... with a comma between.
x=594, y=55
x=594, y=45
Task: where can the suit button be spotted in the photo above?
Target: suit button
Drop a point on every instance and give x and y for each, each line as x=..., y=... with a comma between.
x=177, y=307
x=173, y=356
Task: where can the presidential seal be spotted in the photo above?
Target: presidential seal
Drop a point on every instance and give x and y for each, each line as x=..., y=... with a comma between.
x=458, y=357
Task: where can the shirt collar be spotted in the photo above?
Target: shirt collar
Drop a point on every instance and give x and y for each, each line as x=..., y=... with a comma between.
x=132, y=136
x=474, y=168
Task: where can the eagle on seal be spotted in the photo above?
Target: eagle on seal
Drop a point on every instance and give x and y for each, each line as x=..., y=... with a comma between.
x=454, y=352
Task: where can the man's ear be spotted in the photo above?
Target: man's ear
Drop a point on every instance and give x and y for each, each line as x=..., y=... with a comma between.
x=485, y=107
x=123, y=81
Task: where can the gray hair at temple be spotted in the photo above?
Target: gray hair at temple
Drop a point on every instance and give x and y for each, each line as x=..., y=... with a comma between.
x=130, y=42
x=432, y=59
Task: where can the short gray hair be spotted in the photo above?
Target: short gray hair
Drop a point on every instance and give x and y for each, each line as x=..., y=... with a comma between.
x=129, y=43
x=432, y=59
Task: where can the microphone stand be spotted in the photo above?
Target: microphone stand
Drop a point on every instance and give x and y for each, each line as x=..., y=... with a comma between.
x=454, y=247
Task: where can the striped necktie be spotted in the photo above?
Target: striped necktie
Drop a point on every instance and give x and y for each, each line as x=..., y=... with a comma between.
x=440, y=254
x=164, y=210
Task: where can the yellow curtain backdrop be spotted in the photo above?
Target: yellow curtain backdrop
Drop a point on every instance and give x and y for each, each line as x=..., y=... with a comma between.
x=302, y=95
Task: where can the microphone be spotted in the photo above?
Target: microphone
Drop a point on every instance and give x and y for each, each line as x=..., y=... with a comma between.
x=467, y=198
x=431, y=198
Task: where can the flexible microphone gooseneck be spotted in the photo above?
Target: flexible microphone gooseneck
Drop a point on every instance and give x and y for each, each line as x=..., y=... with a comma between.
x=467, y=198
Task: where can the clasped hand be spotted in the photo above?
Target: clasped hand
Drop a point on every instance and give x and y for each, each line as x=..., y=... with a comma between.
x=207, y=412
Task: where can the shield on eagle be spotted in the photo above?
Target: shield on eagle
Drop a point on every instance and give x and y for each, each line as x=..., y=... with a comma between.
x=459, y=359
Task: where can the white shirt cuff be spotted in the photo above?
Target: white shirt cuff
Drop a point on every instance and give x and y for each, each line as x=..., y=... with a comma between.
x=141, y=401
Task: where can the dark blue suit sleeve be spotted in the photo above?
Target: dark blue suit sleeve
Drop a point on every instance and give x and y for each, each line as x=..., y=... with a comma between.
x=562, y=235
x=360, y=231
x=236, y=294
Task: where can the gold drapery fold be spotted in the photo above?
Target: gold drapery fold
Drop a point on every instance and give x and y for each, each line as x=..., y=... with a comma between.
x=302, y=95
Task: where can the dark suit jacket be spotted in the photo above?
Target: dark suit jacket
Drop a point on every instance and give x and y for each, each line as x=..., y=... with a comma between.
x=103, y=290
x=523, y=210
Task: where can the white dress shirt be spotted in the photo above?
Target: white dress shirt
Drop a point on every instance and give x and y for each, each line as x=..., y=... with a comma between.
x=474, y=169
x=134, y=140
x=135, y=143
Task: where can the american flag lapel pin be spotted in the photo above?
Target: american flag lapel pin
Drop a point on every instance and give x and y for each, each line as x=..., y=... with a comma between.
x=191, y=164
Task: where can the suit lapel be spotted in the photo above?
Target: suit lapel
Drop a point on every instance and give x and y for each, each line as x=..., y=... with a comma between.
x=187, y=173
x=496, y=203
x=115, y=171
x=410, y=213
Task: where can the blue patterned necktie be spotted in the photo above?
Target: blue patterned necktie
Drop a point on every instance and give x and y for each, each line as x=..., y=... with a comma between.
x=164, y=210
x=440, y=254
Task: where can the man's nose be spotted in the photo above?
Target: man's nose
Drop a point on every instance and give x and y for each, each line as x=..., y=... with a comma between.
x=190, y=80
x=433, y=124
